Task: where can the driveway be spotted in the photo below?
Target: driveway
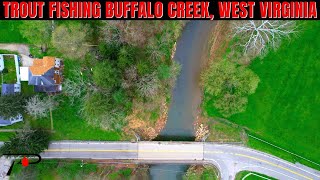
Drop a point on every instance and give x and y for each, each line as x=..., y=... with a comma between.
x=23, y=51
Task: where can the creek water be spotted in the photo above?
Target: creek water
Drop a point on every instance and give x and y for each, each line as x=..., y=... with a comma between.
x=192, y=49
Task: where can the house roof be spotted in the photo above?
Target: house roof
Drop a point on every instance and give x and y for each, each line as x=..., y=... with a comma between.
x=41, y=66
x=7, y=89
x=46, y=79
x=48, y=89
x=4, y=122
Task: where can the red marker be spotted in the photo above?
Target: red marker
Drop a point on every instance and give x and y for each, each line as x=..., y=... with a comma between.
x=25, y=162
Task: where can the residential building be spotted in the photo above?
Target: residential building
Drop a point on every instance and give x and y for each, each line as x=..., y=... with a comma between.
x=46, y=75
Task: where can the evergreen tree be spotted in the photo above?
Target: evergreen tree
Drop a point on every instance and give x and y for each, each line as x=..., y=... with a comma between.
x=12, y=105
x=27, y=141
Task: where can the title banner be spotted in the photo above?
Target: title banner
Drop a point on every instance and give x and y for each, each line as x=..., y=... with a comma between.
x=189, y=10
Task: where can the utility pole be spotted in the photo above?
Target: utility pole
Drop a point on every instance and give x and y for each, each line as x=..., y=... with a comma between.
x=50, y=109
x=51, y=119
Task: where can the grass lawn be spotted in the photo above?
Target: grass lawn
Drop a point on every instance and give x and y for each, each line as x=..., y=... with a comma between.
x=27, y=89
x=285, y=108
x=11, y=76
x=247, y=175
x=68, y=125
x=223, y=132
x=53, y=169
x=9, y=32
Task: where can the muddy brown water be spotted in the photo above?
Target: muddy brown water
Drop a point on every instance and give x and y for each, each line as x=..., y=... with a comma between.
x=192, y=49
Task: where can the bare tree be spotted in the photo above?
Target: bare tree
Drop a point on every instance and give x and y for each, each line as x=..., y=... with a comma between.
x=76, y=87
x=153, y=49
x=255, y=36
x=148, y=86
x=38, y=107
x=71, y=40
x=130, y=77
x=134, y=33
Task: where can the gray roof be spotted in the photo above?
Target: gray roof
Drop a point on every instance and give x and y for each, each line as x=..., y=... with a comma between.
x=44, y=80
x=4, y=122
x=54, y=88
x=10, y=121
x=7, y=89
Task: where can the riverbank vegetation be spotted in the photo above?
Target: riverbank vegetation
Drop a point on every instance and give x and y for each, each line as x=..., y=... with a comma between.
x=198, y=172
x=118, y=76
x=282, y=110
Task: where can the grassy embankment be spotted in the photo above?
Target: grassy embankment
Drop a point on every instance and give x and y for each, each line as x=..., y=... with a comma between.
x=201, y=173
x=71, y=169
x=284, y=108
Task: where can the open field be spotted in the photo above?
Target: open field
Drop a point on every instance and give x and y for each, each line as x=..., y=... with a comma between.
x=284, y=109
x=9, y=32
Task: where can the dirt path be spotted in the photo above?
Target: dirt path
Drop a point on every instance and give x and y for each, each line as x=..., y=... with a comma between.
x=23, y=51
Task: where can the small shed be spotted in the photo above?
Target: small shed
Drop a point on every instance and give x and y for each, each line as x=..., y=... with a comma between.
x=1, y=62
x=7, y=89
x=10, y=121
x=24, y=73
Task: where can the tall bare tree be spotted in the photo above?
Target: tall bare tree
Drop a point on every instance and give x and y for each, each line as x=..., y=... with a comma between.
x=255, y=36
x=148, y=86
x=38, y=107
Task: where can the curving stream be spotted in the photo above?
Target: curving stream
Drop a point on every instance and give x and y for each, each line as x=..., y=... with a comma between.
x=192, y=49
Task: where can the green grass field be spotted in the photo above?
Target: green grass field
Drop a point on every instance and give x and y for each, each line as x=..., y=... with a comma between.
x=11, y=76
x=247, y=175
x=54, y=169
x=285, y=108
x=9, y=32
x=69, y=125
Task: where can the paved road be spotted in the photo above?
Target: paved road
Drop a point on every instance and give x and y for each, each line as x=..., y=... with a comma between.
x=229, y=159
